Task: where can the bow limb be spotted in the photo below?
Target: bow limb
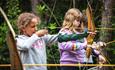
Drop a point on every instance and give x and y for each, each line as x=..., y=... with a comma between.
x=8, y=23
x=91, y=26
x=14, y=56
x=110, y=42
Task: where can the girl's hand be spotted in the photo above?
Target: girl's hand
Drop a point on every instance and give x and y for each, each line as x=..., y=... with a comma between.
x=102, y=59
x=94, y=33
x=41, y=32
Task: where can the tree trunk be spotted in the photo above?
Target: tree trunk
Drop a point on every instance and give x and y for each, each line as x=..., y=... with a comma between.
x=33, y=4
x=105, y=35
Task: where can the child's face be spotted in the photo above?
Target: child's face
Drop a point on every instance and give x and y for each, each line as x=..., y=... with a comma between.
x=76, y=22
x=31, y=27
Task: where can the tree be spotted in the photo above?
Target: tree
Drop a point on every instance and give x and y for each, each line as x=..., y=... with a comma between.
x=34, y=4
x=105, y=35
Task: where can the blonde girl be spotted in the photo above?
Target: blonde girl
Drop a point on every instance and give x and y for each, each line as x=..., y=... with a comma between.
x=72, y=52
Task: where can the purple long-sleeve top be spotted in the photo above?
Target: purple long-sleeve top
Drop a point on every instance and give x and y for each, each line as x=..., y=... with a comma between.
x=67, y=54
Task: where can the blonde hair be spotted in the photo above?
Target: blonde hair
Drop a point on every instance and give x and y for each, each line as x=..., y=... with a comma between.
x=24, y=19
x=71, y=15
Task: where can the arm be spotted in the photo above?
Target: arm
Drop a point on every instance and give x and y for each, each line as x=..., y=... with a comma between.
x=72, y=45
x=69, y=46
x=50, y=39
x=95, y=52
x=24, y=43
x=101, y=58
x=72, y=37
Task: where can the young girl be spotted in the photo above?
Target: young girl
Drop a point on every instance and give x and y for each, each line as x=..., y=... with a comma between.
x=72, y=34
x=31, y=43
x=72, y=24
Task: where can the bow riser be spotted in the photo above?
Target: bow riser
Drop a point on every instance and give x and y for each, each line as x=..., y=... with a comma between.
x=90, y=38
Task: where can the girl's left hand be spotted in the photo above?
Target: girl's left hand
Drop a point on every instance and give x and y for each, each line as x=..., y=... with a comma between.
x=94, y=33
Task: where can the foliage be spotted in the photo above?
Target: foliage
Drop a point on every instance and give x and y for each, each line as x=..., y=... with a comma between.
x=42, y=12
x=52, y=53
x=41, y=9
x=12, y=7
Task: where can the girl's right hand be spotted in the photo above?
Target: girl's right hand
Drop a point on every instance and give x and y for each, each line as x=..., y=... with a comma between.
x=41, y=32
x=102, y=59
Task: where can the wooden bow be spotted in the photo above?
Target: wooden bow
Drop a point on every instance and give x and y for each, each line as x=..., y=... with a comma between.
x=91, y=28
x=14, y=56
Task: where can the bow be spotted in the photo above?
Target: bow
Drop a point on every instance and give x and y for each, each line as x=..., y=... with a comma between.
x=91, y=28
x=14, y=56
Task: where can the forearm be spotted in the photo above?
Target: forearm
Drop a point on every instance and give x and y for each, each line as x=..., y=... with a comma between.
x=68, y=46
x=71, y=37
x=95, y=52
x=51, y=39
x=24, y=44
x=71, y=45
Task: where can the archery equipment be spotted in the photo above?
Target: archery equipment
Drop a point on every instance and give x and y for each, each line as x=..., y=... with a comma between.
x=14, y=56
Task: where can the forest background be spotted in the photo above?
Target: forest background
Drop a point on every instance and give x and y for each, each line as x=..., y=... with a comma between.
x=52, y=14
